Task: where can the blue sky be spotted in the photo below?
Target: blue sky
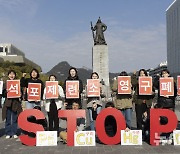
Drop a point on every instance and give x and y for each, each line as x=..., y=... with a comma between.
x=51, y=31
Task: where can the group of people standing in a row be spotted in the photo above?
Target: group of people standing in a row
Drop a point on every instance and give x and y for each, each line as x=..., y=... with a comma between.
x=124, y=103
x=143, y=103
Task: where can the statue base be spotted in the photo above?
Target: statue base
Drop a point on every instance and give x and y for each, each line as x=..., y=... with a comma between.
x=100, y=64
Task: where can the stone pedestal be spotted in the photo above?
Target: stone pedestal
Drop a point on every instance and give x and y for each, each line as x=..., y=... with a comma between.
x=100, y=64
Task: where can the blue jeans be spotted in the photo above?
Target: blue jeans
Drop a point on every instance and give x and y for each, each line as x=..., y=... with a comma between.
x=11, y=122
x=92, y=122
x=31, y=105
x=127, y=113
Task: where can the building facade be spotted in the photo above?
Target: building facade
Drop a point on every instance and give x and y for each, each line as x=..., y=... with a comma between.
x=157, y=71
x=173, y=37
x=9, y=49
x=9, y=52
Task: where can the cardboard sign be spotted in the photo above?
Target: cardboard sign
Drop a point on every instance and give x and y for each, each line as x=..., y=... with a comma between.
x=100, y=126
x=156, y=128
x=71, y=116
x=178, y=85
x=176, y=137
x=72, y=89
x=166, y=86
x=1, y=87
x=27, y=126
x=84, y=138
x=124, y=85
x=51, y=89
x=46, y=138
x=13, y=89
x=145, y=85
x=34, y=91
x=93, y=88
x=132, y=137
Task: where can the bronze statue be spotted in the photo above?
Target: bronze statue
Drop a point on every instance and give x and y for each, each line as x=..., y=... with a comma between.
x=99, y=28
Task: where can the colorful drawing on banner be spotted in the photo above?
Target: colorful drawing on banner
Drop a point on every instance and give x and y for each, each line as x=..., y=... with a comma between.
x=34, y=92
x=176, y=137
x=93, y=88
x=132, y=137
x=13, y=89
x=51, y=89
x=124, y=85
x=145, y=85
x=72, y=89
x=46, y=138
x=167, y=86
x=84, y=138
x=1, y=87
x=178, y=85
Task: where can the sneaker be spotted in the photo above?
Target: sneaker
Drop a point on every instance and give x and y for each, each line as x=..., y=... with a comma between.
x=18, y=140
x=8, y=136
x=15, y=136
x=169, y=142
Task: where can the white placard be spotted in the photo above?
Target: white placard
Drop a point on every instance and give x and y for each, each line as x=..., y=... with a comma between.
x=1, y=86
x=132, y=137
x=46, y=138
x=84, y=138
x=176, y=137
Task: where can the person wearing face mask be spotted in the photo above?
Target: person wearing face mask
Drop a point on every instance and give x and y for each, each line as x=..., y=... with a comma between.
x=52, y=106
x=73, y=76
x=34, y=78
x=11, y=109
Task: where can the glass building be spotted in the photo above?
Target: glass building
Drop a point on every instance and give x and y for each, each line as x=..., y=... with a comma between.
x=173, y=37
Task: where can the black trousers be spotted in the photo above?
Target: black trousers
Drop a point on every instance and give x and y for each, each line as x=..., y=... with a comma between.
x=53, y=117
x=140, y=109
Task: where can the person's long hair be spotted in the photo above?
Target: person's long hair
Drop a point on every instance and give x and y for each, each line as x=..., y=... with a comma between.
x=165, y=70
x=123, y=73
x=94, y=73
x=145, y=72
x=76, y=76
x=34, y=69
x=12, y=71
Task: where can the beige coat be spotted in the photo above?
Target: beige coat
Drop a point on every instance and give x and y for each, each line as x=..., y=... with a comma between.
x=121, y=101
x=97, y=100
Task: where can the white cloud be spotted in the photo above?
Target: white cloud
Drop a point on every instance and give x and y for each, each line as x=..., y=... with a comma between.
x=129, y=49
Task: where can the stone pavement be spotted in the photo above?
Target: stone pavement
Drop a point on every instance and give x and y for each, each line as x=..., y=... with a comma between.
x=15, y=147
